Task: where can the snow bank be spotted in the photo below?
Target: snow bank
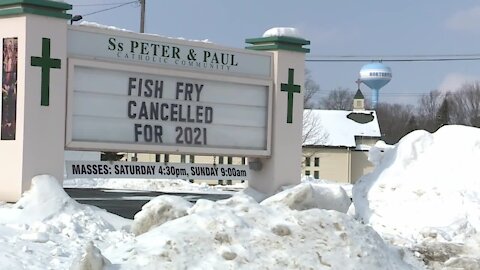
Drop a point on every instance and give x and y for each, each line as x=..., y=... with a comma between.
x=255, y=194
x=426, y=190
x=46, y=229
x=345, y=186
x=376, y=153
x=158, y=211
x=308, y=195
x=239, y=233
x=45, y=194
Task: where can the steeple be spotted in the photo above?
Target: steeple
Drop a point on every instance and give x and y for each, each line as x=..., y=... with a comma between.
x=358, y=99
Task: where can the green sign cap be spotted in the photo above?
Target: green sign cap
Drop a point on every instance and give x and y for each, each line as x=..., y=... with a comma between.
x=278, y=43
x=38, y=7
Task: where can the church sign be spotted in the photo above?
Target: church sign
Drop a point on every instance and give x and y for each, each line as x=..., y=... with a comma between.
x=99, y=88
x=133, y=106
x=151, y=170
x=88, y=42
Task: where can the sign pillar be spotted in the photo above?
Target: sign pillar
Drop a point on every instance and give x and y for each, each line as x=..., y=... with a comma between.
x=33, y=38
x=283, y=168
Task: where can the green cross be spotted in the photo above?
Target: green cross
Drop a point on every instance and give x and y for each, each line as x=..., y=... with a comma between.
x=46, y=63
x=290, y=88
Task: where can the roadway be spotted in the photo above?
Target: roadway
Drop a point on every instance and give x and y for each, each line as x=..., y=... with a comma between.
x=127, y=203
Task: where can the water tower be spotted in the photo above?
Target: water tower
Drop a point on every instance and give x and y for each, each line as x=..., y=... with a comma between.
x=375, y=76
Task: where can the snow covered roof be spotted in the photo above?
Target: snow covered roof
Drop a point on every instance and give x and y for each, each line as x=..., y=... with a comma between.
x=338, y=128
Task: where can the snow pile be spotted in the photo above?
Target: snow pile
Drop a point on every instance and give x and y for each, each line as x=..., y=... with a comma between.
x=239, y=233
x=46, y=229
x=425, y=193
x=375, y=154
x=345, y=186
x=26, y=209
x=308, y=195
x=91, y=259
x=158, y=211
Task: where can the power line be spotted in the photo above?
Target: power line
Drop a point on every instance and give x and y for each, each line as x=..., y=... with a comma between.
x=104, y=4
x=107, y=9
x=394, y=58
x=384, y=94
x=395, y=55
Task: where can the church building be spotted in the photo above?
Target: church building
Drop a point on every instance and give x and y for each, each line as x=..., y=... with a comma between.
x=336, y=142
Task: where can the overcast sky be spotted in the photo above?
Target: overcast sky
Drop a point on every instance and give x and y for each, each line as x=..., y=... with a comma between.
x=367, y=27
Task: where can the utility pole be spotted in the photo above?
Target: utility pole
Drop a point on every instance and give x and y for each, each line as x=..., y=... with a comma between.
x=142, y=16
x=142, y=30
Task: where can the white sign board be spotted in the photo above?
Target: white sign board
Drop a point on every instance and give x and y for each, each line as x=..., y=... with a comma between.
x=126, y=47
x=81, y=169
x=140, y=109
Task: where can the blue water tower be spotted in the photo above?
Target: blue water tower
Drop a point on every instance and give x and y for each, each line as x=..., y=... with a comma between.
x=375, y=76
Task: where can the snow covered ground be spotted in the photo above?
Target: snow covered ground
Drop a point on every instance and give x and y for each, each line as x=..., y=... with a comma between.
x=422, y=202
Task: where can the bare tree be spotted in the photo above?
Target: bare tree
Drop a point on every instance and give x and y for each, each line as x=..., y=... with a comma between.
x=465, y=105
x=313, y=134
x=311, y=91
x=395, y=121
x=411, y=124
x=443, y=113
x=427, y=109
x=338, y=99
